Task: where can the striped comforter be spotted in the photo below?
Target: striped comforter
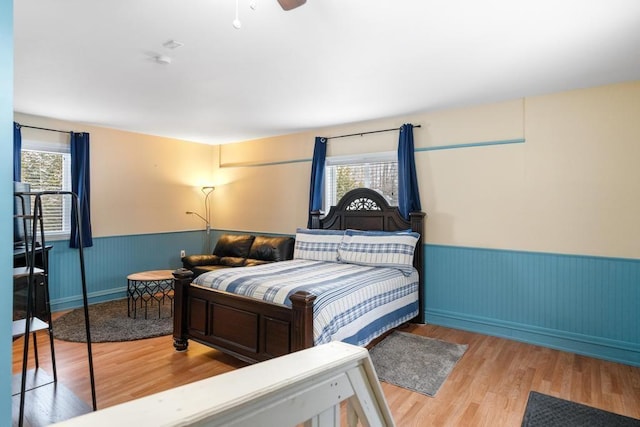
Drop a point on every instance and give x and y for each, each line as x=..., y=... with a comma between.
x=354, y=303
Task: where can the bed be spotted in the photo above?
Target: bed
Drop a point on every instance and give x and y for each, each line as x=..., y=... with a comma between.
x=253, y=329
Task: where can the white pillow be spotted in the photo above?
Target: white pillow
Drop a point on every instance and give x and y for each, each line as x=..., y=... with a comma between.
x=379, y=248
x=317, y=244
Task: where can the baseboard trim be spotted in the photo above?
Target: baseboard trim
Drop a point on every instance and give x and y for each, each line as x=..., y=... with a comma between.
x=615, y=351
x=69, y=303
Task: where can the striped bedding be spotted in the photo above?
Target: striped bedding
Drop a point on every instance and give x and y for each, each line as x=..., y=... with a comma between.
x=354, y=303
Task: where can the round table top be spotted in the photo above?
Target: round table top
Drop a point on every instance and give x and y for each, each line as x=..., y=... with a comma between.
x=152, y=275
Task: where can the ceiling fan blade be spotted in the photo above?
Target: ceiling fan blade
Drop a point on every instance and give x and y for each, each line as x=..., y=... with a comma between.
x=291, y=4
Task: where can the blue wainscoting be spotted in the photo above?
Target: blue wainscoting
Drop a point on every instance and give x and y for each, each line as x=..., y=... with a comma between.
x=110, y=260
x=582, y=304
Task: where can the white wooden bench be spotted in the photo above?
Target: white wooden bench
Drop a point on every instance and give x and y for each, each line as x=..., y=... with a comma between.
x=303, y=387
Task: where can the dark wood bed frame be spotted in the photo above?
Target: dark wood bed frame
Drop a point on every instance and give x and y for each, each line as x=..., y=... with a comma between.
x=254, y=330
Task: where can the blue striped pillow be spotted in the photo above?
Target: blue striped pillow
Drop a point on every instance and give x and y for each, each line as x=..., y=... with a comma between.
x=379, y=248
x=317, y=245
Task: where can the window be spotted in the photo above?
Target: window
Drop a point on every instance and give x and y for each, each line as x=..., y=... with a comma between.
x=377, y=171
x=47, y=167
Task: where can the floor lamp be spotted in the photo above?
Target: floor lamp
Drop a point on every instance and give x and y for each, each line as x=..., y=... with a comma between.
x=207, y=213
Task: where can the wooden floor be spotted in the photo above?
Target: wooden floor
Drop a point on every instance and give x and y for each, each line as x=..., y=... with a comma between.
x=488, y=387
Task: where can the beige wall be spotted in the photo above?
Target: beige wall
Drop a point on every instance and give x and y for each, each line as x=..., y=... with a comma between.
x=572, y=187
x=139, y=183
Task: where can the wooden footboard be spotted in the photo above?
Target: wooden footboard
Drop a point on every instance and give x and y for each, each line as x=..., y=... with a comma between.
x=243, y=327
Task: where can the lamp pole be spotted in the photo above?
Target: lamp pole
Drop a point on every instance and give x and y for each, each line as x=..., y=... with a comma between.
x=207, y=206
x=207, y=214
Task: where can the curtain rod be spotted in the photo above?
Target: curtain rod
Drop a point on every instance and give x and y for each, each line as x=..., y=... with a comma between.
x=50, y=130
x=366, y=133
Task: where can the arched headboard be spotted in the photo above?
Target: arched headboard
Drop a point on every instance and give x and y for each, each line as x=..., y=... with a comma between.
x=366, y=209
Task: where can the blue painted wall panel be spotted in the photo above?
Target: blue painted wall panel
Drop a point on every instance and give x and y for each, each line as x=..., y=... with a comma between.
x=110, y=260
x=6, y=208
x=583, y=304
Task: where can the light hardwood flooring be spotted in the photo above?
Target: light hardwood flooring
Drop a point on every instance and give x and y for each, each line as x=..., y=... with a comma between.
x=488, y=387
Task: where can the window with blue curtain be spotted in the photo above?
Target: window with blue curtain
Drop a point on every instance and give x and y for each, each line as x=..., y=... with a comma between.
x=46, y=166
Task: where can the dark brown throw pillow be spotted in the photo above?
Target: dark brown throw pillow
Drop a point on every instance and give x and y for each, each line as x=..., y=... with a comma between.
x=230, y=245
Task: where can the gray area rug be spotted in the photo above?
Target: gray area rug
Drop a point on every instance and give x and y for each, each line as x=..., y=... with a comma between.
x=414, y=362
x=548, y=411
x=110, y=323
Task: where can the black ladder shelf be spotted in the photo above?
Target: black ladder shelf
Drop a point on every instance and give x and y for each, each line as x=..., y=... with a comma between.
x=31, y=388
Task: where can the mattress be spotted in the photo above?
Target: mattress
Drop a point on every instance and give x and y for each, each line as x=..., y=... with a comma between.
x=354, y=303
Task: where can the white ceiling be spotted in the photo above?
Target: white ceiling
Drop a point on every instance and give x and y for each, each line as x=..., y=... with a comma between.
x=329, y=62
